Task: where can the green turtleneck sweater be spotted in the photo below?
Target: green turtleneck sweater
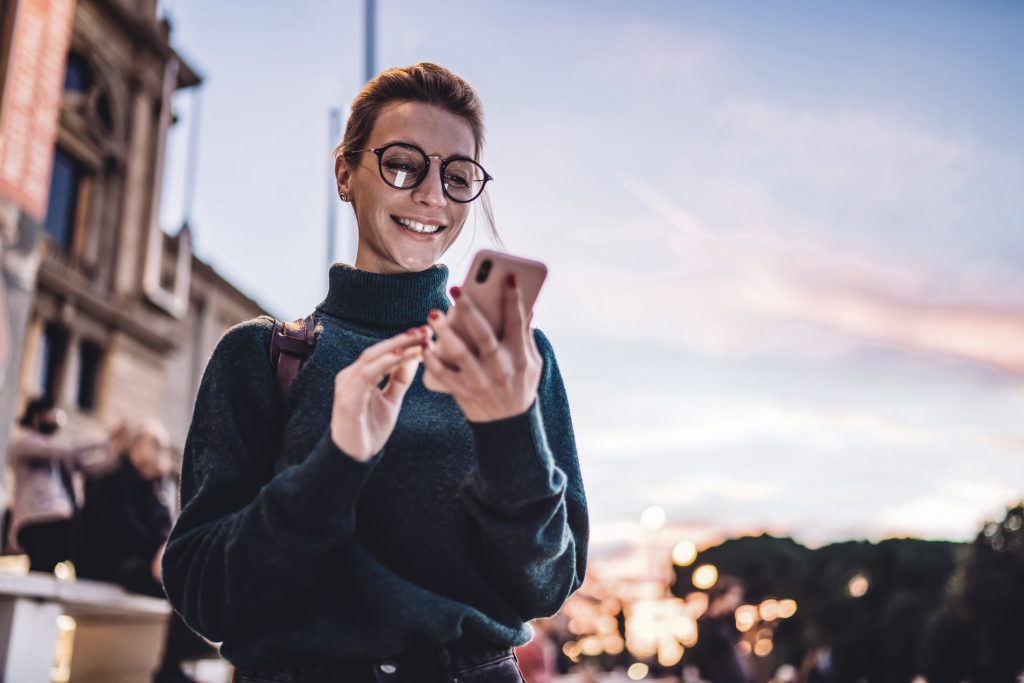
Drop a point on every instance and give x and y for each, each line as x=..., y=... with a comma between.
x=285, y=545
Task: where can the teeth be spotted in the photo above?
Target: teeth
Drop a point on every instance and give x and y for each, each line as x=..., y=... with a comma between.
x=418, y=227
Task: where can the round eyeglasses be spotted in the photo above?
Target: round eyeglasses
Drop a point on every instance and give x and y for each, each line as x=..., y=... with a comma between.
x=404, y=166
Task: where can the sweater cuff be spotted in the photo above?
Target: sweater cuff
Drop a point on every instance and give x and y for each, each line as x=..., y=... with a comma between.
x=327, y=484
x=513, y=457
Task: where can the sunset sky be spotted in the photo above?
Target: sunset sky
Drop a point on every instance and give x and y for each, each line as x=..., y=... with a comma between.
x=786, y=240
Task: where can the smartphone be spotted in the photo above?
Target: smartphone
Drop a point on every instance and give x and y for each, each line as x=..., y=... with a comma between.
x=486, y=286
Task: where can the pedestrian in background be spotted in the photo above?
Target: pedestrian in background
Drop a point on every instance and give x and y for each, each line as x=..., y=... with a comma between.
x=363, y=527
x=124, y=525
x=44, y=514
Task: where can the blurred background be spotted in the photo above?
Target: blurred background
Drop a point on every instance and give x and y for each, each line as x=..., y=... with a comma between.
x=786, y=292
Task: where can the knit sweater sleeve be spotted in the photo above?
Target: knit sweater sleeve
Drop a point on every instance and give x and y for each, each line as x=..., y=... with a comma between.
x=248, y=541
x=527, y=500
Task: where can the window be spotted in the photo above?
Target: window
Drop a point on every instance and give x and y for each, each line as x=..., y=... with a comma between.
x=61, y=212
x=51, y=359
x=89, y=356
x=77, y=76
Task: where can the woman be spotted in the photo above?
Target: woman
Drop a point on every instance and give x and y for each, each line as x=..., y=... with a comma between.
x=124, y=525
x=127, y=514
x=43, y=516
x=381, y=530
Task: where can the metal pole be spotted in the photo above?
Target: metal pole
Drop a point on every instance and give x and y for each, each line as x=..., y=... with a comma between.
x=332, y=189
x=371, y=38
x=193, y=153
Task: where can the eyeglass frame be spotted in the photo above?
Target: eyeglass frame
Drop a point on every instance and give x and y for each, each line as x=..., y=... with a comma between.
x=379, y=153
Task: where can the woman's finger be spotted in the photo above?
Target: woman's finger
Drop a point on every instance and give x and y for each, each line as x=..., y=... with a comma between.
x=457, y=353
x=441, y=375
x=438, y=323
x=411, y=337
x=481, y=337
x=370, y=372
x=401, y=379
x=516, y=330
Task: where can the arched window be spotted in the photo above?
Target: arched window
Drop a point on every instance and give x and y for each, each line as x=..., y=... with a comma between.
x=78, y=75
x=62, y=209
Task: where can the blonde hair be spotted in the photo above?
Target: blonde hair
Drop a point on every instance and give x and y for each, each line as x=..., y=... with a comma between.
x=127, y=435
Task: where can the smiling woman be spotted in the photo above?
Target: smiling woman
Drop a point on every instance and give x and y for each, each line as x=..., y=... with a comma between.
x=361, y=527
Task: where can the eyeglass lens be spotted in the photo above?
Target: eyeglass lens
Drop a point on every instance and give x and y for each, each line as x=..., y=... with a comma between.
x=404, y=166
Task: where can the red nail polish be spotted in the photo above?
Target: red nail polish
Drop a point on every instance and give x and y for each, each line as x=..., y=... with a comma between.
x=510, y=280
x=456, y=291
x=434, y=315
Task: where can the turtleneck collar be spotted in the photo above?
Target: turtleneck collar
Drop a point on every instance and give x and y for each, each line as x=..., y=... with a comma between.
x=385, y=303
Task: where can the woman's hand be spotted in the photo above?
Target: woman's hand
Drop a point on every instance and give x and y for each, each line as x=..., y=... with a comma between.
x=490, y=378
x=364, y=415
x=154, y=566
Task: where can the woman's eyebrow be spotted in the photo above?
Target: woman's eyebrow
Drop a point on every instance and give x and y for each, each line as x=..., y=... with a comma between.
x=456, y=155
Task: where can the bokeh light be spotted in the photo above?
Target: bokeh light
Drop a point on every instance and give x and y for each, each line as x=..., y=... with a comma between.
x=705, y=576
x=637, y=671
x=653, y=518
x=746, y=617
x=858, y=586
x=684, y=553
x=769, y=610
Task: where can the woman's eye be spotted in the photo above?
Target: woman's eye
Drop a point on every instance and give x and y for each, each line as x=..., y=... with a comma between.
x=397, y=165
x=457, y=180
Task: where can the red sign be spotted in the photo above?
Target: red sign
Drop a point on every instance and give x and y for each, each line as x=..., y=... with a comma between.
x=31, y=103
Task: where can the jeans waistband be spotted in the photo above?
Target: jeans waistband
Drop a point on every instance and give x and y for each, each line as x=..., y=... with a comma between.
x=419, y=663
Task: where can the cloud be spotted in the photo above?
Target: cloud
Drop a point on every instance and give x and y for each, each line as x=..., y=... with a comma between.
x=844, y=153
x=666, y=422
x=749, y=290
x=955, y=509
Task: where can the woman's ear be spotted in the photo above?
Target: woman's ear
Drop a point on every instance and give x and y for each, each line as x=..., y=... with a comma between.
x=342, y=176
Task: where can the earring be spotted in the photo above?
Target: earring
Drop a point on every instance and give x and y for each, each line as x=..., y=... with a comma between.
x=342, y=196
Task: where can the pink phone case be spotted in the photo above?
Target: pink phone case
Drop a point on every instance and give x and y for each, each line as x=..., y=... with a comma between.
x=485, y=285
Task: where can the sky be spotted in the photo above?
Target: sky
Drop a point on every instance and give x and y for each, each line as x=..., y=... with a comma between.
x=785, y=240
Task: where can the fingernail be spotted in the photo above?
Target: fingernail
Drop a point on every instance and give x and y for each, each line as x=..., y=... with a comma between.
x=434, y=315
x=399, y=352
x=511, y=280
x=456, y=291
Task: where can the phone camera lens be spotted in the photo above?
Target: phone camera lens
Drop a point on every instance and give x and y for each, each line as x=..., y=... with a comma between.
x=485, y=270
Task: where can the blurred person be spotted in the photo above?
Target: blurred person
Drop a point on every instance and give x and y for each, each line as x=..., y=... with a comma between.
x=124, y=525
x=538, y=659
x=715, y=654
x=127, y=512
x=45, y=509
x=364, y=527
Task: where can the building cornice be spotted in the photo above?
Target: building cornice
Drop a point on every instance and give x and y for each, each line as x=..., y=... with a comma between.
x=149, y=327
x=147, y=31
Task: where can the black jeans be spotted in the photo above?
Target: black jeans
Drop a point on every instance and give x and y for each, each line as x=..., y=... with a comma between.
x=451, y=663
x=47, y=544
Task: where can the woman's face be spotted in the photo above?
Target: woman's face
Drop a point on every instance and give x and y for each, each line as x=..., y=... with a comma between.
x=385, y=245
x=150, y=455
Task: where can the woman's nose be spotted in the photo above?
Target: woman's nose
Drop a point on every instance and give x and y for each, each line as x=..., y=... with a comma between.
x=430, y=191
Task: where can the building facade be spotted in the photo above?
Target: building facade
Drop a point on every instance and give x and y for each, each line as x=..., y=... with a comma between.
x=123, y=316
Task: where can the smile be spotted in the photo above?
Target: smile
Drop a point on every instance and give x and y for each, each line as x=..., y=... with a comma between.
x=416, y=226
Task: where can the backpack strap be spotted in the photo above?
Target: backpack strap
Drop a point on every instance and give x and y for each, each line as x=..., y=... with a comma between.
x=291, y=344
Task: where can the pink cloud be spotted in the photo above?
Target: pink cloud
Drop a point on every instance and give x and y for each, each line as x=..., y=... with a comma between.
x=746, y=291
